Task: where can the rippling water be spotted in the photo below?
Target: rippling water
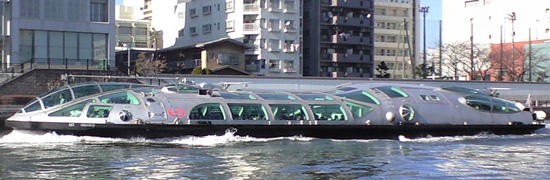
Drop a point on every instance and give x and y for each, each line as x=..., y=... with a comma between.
x=50, y=156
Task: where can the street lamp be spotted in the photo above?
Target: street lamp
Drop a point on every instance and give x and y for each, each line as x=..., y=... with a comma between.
x=472, y=68
x=424, y=11
x=128, y=46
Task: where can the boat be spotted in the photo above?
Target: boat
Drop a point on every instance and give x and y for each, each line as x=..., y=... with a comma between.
x=348, y=111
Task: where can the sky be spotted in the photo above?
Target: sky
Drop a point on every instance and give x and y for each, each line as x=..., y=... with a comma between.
x=433, y=18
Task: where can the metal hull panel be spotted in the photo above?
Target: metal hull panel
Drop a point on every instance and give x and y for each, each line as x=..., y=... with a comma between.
x=264, y=131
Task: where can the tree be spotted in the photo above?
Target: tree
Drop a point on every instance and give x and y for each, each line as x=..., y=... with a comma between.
x=199, y=70
x=149, y=66
x=518, y=69
x=424, y=70
x=382, y=70
x=457, y=59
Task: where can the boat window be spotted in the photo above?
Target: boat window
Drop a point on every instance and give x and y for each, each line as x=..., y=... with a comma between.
x=462, y=90
x=360, y=96
x=357, y=110
x=111, y=87
x=280, y=96
x=33, y=107
x=237, y=95
x=330, y=112
x=57, y=98
x=210, y=111
x=500, y=105
x=479, y=102
x=341, y=90
x=85, y=91
x=141, y=86
x=316, y=97
x=392, y=91
x=119, y=98
x=183, y=89
x=247, y=111
x=425, y=97
x=98, y=111
x=435, y=98
x=72, y=111
x=289, y=112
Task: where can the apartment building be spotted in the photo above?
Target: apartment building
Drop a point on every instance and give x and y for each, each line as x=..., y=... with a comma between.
x=271, y=30
x=338, y=38
x=58, y=31
x=395, y=34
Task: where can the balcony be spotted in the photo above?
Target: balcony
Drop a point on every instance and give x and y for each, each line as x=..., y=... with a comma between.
x=351, y=21
x=251, y=27
x=252, y=67
x=190, y=64
x=252, y=8
x=290, y=70
x=353, y=58
x=354, y=40
x=351, y=4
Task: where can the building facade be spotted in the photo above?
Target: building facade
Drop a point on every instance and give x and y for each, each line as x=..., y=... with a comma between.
x=395, y=33
x=338, y=38
x=483, y=19
x=58, y=32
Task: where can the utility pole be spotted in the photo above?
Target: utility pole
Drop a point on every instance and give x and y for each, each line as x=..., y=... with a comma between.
x=530, y=55
x=501, y=49
x=472, y=69
x=512, y=17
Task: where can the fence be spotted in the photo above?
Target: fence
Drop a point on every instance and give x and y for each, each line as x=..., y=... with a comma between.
x=11, y=69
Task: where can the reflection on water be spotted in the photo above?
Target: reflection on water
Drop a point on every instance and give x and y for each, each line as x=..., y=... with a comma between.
x=52, y=156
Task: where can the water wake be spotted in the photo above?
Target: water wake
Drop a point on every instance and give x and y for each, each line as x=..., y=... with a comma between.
x=33, y=138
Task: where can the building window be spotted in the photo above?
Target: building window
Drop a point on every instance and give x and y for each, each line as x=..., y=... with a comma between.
x=289, y=25
x=207, y=28
x=289, y=5
x=180, y=15
x=229, y=6
x=206, y=9
x=98, y=11
x=193, y=12
x=273, y=45
x=141, y=31
x=30, y=9
x=289, y=65
x=229, y=26
x=53, y=9
x=289, y=46
x=124, y=30
x=274, y=64
x=75, y=11
x=181, y=32
x=274, y=4
x=228, y=58
x=193, y=31
x=274, y=25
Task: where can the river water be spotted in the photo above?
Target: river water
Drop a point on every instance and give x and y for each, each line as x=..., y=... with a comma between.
x=27, y=155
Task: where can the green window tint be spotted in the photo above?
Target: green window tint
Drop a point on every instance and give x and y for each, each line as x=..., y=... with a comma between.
x=119, y=98
x=280, y=96
x=141, y=86
x=500, y=105
x=342, y=90
x=360, y=96
x=72, y=111
x=237, y=96
x=247, y=111
x=316, y=97
x=85, y=90
x=330, y=112
x=183, y=89
x=425, y=97
x=57, y=98
x=33, y=107
x=435, y=98
x=210, y=111
x=289, y=112
x=392, y=91
x=479, y=102
x=98, y=111
x=357, y=110
x=111, y=87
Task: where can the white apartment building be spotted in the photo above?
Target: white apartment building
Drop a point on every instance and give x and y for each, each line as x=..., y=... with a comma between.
x=132, y=32
x=486, y=17
x=391, y=45
x=69, y=31
x=271, y=28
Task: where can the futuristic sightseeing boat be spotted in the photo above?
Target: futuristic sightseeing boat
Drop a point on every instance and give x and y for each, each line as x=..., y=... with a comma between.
x=355, y=111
